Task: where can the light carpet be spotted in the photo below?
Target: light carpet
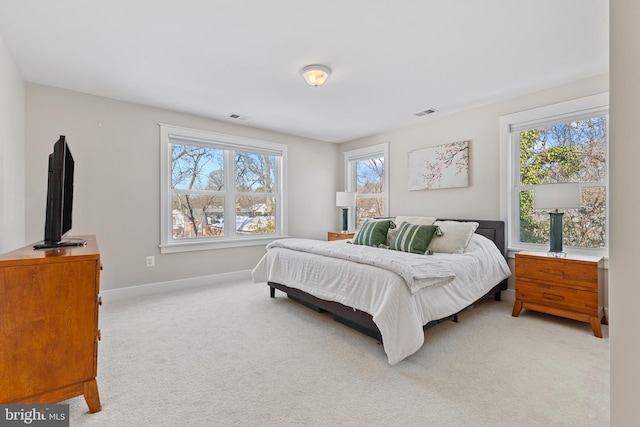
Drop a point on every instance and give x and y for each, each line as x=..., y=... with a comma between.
x=228, y=355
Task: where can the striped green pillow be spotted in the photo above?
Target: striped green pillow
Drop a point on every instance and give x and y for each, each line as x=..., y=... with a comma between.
x=413, y=238
x=373, y=232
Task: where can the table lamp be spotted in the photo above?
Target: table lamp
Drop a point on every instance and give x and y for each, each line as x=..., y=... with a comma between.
x=345, y=200
x=553, y=197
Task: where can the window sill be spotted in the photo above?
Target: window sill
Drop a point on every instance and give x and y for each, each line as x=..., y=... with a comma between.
x=190, y=246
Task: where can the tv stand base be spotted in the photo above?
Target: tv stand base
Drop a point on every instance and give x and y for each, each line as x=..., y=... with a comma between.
x=61, y=244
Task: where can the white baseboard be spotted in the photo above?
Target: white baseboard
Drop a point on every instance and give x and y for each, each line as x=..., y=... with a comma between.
x=110, y=295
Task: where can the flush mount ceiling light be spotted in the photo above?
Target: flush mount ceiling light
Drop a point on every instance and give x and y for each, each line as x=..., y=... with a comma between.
x=315, y=75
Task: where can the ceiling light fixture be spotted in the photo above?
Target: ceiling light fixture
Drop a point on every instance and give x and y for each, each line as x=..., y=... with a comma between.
x=315, y=75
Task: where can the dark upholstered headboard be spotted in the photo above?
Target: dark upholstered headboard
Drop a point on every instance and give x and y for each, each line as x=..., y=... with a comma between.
x=491, y=229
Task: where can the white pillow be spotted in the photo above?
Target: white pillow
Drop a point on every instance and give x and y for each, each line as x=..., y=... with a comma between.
x=418, y=220
x=455, y=237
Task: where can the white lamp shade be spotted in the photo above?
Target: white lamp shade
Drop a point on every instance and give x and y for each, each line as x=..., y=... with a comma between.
x=556, y=196
x=345, y=199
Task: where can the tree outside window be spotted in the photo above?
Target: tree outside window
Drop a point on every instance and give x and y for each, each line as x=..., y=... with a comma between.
x=574, y=151
x=369, y=189
x=197, y=184
x=199, y=192
x=219, y=191
x=366, y=174
x=254, y=193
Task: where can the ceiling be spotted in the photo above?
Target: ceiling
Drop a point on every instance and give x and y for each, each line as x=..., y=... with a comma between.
x=389, y=60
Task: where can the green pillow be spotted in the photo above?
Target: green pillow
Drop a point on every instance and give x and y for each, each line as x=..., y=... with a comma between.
x=373, y=233
x=413, y=238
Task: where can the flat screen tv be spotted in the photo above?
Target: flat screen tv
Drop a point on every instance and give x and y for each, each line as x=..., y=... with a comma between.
x=59, y=198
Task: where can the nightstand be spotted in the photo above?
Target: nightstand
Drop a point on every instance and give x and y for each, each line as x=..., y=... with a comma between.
x=339, y=235
x=570, y=287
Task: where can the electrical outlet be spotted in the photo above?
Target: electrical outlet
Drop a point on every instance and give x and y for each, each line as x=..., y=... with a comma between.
x=151, y=261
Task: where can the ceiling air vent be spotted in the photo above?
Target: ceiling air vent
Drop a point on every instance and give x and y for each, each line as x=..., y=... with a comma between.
x=238, y=117
x=425, y=112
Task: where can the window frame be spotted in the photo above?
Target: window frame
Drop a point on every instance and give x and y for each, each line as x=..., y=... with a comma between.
x=350, y=159
x=510, y=127
x=170, y=134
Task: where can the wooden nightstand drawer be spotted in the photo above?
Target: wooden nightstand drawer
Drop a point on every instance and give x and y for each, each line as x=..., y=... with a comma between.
x=338, y=235
x=576, y=300
x=558, y=271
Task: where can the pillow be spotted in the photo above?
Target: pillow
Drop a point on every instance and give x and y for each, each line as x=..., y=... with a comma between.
x=413, y=238
x=373, y=232
x=421, y=220
x=455, y=237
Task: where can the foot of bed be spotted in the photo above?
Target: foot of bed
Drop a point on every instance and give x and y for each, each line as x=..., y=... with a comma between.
x=272, y=292
x=498, y=296
x=455, y=318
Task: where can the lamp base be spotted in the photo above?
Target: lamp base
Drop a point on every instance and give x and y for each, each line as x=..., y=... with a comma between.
x=345, y=220
x=555, y=235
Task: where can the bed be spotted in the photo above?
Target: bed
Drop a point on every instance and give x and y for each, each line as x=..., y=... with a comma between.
x=390, y=295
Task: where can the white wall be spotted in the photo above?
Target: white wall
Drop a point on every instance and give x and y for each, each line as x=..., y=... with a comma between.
x=481, y=200
x=116, y=146
x=12, y=153
x=624, y=293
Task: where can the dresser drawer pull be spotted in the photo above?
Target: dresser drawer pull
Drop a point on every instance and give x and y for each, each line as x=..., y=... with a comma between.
x=551, y=297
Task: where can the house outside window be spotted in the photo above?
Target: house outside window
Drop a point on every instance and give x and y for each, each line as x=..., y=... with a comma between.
x=219, y=190
x=566, y=142
x=366, y=172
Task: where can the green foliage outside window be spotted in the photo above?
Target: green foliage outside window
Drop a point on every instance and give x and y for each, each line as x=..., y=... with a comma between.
x=566, y=152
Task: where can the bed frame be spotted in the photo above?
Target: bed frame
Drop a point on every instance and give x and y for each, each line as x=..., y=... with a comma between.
x=362, y=321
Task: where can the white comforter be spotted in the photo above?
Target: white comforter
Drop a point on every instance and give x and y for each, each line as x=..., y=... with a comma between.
x=378, y=285
x=417, y=271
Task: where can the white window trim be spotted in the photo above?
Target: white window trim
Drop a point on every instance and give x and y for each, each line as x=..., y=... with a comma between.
x=167, y=244
x=509, y=155
x=350, y=157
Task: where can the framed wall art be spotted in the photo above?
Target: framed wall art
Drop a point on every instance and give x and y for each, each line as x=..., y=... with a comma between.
x=442, y=166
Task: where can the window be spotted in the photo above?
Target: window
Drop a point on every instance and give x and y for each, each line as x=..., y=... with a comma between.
x=219, y=190
x=561, y=143
x=366, y=175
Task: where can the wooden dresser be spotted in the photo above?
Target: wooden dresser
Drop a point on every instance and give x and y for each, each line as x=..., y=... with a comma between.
x=49, y=324
x=570, y=287
x=339, y=235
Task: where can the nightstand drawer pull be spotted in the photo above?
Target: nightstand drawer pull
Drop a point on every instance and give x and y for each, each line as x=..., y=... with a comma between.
x=552, y=297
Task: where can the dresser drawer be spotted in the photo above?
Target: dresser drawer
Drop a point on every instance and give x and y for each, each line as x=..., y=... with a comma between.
x=558, y=271
x=576, y=300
